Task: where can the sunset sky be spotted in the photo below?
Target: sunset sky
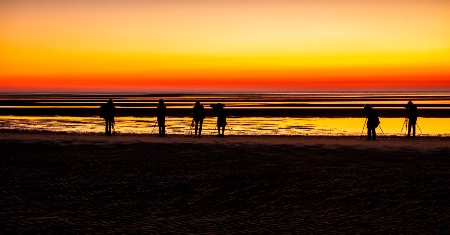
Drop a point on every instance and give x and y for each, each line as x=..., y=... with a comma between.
x=225, y=45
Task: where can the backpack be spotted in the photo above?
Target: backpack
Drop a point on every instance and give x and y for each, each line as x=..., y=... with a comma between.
x=376, y=119
x=218, y=109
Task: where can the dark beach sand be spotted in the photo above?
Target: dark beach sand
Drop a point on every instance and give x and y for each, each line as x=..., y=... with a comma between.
x=63, y=183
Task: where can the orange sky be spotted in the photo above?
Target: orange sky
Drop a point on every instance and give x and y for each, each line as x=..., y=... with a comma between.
x=200, y=45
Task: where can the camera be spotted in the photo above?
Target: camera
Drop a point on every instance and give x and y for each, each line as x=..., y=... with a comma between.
x=218, y=105
x=217, y=108
x=409, y=105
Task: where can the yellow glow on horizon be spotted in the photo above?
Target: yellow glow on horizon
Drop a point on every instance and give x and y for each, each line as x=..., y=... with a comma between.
x=167, y=39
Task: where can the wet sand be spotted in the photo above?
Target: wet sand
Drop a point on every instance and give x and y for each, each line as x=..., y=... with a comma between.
x=68, y=183
x=388, y=104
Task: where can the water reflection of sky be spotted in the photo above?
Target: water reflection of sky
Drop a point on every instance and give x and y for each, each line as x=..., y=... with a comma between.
x=282, y=113
x=232, y=100
x=236, y=126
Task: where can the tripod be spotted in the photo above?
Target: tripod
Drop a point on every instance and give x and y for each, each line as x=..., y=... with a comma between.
x=190, y=128
x=405, y=124
x=382, y=132
x=156, y=122
x=419, y=128
x=113, y=123
x=229, y=128
x=364, y=127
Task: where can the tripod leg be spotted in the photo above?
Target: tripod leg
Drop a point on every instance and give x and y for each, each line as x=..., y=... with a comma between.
x=419, y=128
x=363, y=129
x=190, y=127
x=382, y=132
x=405, y=124
x=151, y=133
x=228, y=128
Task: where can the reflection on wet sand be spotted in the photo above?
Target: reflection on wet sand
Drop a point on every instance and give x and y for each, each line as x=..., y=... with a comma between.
x=236, y=126
x=248, y=114
x=435, y=104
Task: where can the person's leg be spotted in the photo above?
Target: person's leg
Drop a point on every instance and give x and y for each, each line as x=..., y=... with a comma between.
x=374, y=134
x=106, y=127
x=369, y=132
x=159, y=127
x=196, y=127
x=414, y=130
x=110, y=127
x=164, y=127
x=218, y=127
x=200, y=129
x=409, y=128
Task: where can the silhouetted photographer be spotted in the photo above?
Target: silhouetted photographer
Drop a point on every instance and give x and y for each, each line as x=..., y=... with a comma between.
x=372, y=121
x=161, y=112
x=219, y=111
x=107, y=112
x=411, y=114
x=198, y=116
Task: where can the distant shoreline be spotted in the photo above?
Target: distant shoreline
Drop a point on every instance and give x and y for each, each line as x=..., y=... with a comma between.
x=150, y=112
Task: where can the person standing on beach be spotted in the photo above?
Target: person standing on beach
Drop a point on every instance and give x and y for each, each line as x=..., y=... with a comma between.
x=411, y=114
x=107, y=112
x=161, y=112
x=198, y=116
x=219, y=111
x=372, y=121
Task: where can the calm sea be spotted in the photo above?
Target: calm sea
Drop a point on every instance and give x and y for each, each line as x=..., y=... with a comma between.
x=323, y=114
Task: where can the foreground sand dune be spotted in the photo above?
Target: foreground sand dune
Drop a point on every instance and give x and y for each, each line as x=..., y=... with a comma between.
x=64, y=183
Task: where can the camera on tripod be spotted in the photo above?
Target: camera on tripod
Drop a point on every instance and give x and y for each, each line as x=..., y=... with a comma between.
x=409, y=105
x=217, y=108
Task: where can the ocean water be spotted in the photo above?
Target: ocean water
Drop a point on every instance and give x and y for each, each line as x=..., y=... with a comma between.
x=305, y=114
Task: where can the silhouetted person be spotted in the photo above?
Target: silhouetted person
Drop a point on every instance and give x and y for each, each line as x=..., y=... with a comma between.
x=372, y=121
x=198, y=115
x=411, y=114
x=107, y=111
x=219, y=111
x=161, y=117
